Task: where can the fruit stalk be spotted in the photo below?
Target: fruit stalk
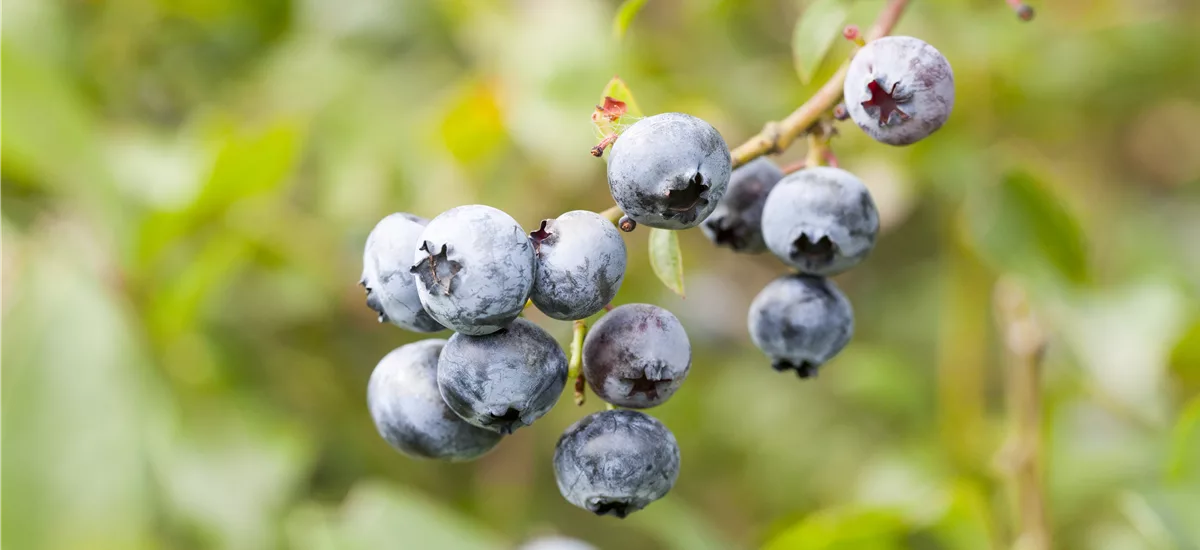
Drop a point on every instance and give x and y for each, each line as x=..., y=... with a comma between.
x=575, y=366
x=776, y=136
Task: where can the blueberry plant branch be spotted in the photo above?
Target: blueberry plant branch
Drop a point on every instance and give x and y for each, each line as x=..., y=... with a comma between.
x=777, y=136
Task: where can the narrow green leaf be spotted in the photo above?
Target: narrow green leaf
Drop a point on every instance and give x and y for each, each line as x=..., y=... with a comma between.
x=666, y=259
x=815, y=31
x=843, y=528
x=625, y=14
x=618, y=90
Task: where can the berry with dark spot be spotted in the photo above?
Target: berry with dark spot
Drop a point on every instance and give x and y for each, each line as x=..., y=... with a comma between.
x=391, y=290
x=474, y=269
x=737, y=220
x=616, y=462
x=899, y=89
x=580, y=265
x=504, y=380
x=820, y=220
x=636, y=356
x=800, y=322
x=626, y=224
x=410, y=414
x=669, y=171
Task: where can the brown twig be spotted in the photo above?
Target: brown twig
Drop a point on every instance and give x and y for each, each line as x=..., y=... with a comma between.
x=776, y=136
x=1021, y=457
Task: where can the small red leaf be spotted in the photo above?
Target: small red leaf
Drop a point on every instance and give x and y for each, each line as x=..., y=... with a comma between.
x=612, y=109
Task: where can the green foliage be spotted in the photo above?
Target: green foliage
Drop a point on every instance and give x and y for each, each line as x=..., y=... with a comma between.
x=666, y=258
x=625, y=14
x=817, y=28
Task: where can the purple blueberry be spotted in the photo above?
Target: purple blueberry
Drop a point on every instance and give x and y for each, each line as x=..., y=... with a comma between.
x=474, y=269
x=800, y=322
x=409, y=413
x=503, y=380
x=669, y=170
x=820, y=220
x=580, y=265
x=616, y=462
x=737, y=220
x=636, y=356
x=391, y=291
x=899, y=89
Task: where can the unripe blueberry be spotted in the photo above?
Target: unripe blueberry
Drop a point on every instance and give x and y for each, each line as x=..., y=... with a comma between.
x=616, y=462
x=474, y=269
x=669, y=170
x=580, y=265
x=820, y=220
x=391, y=290
x=737, y=220
x=636, y=356
x=410, y=413
x=504, y=380
x=899, y=89
x=800, y=322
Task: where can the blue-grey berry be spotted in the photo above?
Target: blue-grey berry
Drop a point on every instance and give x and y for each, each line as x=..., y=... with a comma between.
x=409, y=411
x=737, y=220
x=555, y=542
x=474, y=269
x=636, y=356
x=391, y=290
x=669, y=170
x=899, y=89
x=800, y=322
x=580, y=265
x=504, y=380
x=616, y=462
x=820, y=220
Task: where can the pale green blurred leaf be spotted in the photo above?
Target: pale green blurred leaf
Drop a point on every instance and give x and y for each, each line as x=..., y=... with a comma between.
x=625, y=14
x=816, y=29
x=666, y=259
x=677, y=526
x=473, y=126
x=967, y=522
x=843, y=529
x=1184, y=459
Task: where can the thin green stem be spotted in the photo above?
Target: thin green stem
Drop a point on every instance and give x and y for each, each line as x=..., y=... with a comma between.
x=575, y=366
x=613, y=214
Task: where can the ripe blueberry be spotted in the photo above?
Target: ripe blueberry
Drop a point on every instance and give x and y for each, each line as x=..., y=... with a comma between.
x=899, y=89
x=669, y=170
x=820, y=220
x=555, y=542
x=580, y=265
x=737, y=220
x=474, y=269
x=410, y=413
x=636, y=356
x=800, y=322
x=504, y=380
x=391, y=291
x=616, y=462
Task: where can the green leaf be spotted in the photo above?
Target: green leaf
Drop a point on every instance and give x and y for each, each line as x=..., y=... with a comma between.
x=843, y=529
x=625, y=14
x=817, y=28
x=618, y=90
x=666, y=259
x=1021, y=226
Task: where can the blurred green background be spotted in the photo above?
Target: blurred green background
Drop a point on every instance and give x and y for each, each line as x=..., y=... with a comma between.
x=187, y=186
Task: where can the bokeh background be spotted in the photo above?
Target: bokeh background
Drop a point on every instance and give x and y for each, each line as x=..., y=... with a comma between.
x=187, y=186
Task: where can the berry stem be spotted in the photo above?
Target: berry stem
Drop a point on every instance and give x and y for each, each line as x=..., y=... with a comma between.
x=613, y=214
x=575, y=366
x=776, y=136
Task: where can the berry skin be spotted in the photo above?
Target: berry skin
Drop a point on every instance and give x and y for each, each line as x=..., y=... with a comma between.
x=474, y=269
x=669, y=170
x=800, y=322
x=899, y=89
x=391, y=291
x=616, y=462
x=820, y=220
x=580, y=265
x=504, y=380
x=410, y=414
x=554, y=542
x=636, y=356
x=737, y=220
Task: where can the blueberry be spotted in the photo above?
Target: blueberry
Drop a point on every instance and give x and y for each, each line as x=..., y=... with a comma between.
x=554, y=542
x=636, y=356
x=504, y=380
x=820, y=220
x=580, y=265
x=391, y=291
x=737, y=220
x=474, y=269
x=669, y=170
x=616, y=462
x=800, y=322
x=899, y=89
x=409, y=412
